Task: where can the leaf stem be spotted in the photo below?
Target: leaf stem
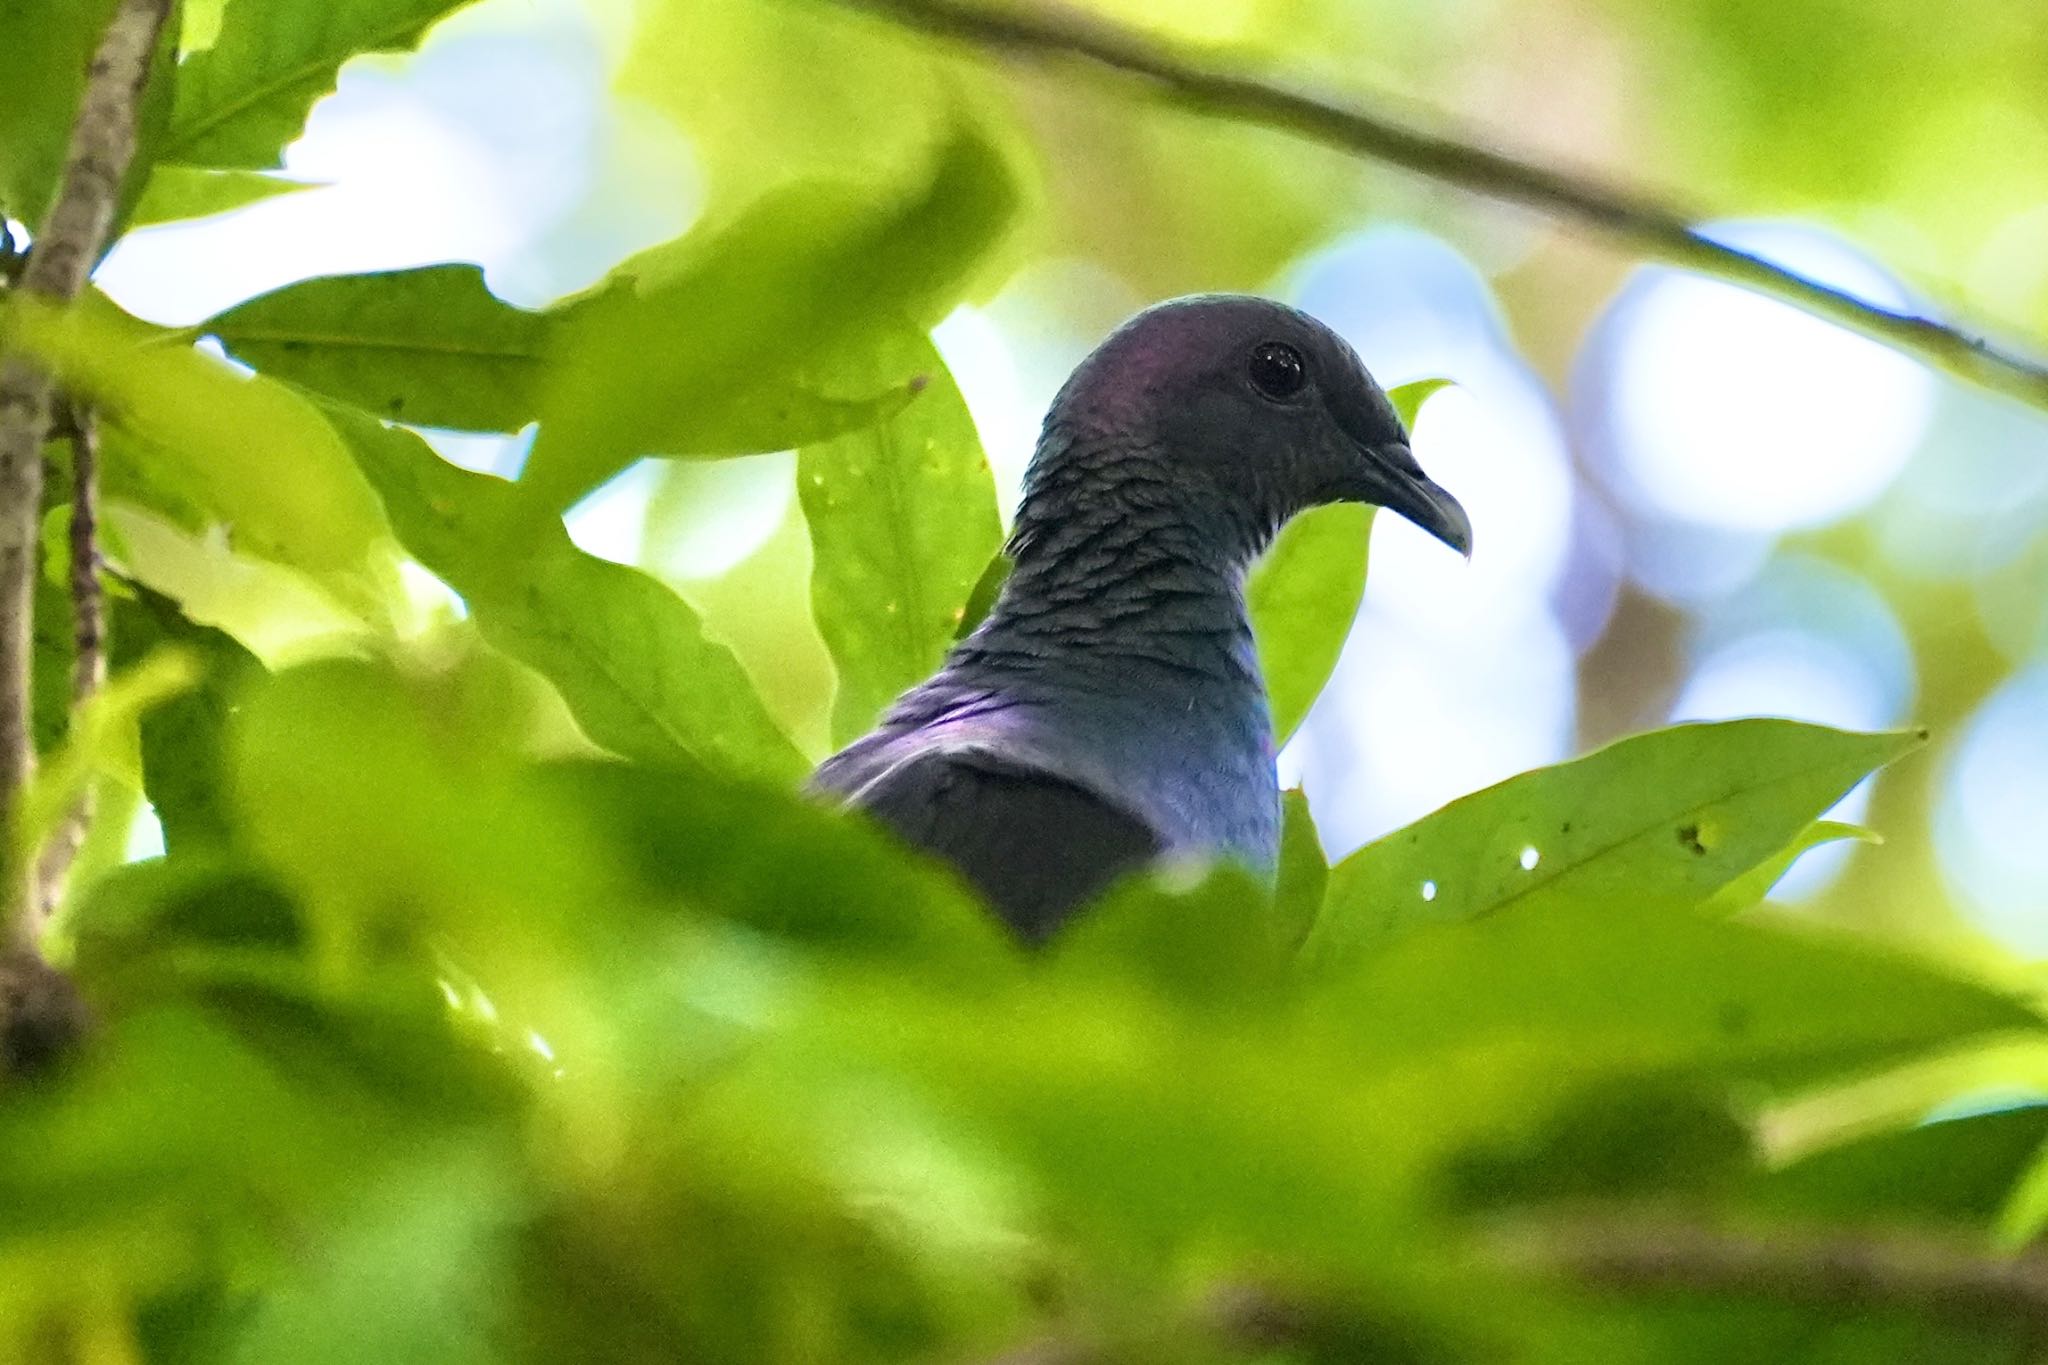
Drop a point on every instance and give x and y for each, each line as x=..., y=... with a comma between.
x=1048, y=30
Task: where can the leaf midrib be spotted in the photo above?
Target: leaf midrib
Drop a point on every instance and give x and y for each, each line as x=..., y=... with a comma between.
x=345, y=341
x=1535, y=884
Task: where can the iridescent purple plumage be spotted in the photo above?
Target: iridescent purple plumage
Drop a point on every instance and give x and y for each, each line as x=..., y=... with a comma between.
x=1110, y=709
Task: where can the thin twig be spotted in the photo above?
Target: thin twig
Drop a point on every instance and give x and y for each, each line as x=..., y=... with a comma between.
x=1051, y=30
x=88, y=638
x=60, y=256
x=1828, y=1268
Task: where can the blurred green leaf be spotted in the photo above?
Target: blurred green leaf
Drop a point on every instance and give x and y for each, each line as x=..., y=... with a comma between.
x=1304, y=874
x=1304, y=592
x=430, y=346
x=182, y=739
x=903, y=521
x=101, y=739
x=1956, y=1171
x=775, y=862
x=242, y=99
x=1607, y=982
x=252, y=454
x=45, y=46
x=50, y=677
x=760, y=334
x=1661, y=819
x=628, y=656
x=176, y=192
x=772, y=93
x=1211, y=944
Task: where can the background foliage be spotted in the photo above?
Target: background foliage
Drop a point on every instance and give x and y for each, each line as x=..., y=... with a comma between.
x=492, y=994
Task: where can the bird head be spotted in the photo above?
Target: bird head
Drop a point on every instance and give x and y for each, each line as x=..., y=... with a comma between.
x=1262, y=408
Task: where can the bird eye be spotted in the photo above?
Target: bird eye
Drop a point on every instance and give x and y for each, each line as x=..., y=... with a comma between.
x=1278, y=370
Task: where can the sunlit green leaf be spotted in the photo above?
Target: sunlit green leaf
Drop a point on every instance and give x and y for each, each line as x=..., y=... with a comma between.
x=1666, y=818
x=1304, y=592
x=903, y=521
x=760, y=333
x=242, y=99
x=102, y=739
x=1754, y=885
x=1304, y=873
x=251, y=454
x=176, y=192
x=430, y=346
x=628, y=656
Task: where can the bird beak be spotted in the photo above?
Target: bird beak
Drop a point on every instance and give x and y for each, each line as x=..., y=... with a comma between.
x=1398, y=484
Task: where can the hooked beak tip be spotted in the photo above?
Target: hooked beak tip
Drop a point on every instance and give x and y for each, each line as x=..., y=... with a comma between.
x=1410, y=493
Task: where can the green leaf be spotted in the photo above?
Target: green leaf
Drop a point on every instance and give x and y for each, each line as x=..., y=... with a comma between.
x=432, y=346
x=628, y=656
x=1211, y=944
x=251, y=454
x=241, y=100
x=784, y=866
x=176, y=192
x=903, y=521
x=1661, y=819
x=987, y=589
x=1303, y=595
x=1754, y=885
x=182, y=769
x=763, y=334
x=1304, y=874
x=45, y=47
x=1597, y=982
x=101, y=740
x=1304, y=592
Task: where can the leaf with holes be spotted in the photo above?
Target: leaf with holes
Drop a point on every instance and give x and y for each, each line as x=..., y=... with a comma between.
x=431, y=346
x=1304, y=592
x=240, y=101
x=903, y=522
x=1661, y=819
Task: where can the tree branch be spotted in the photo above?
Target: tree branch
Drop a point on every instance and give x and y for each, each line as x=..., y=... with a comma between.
x=1051, y=30
x=102, y=145
x=1828, y=1268
x=88, y=637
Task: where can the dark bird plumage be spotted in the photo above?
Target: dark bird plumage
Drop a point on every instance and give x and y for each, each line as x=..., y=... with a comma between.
x=1110, y=710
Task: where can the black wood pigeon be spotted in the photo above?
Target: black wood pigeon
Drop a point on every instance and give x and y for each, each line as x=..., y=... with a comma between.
x=1109, y=710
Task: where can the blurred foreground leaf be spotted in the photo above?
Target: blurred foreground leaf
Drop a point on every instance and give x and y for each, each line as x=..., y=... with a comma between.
x=759, y=334
x=246, y=452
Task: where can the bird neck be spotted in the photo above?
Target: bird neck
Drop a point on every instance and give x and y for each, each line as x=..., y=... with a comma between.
x=1124, y=580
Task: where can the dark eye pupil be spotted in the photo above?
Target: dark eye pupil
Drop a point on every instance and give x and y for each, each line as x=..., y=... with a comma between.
x=1277, y=370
